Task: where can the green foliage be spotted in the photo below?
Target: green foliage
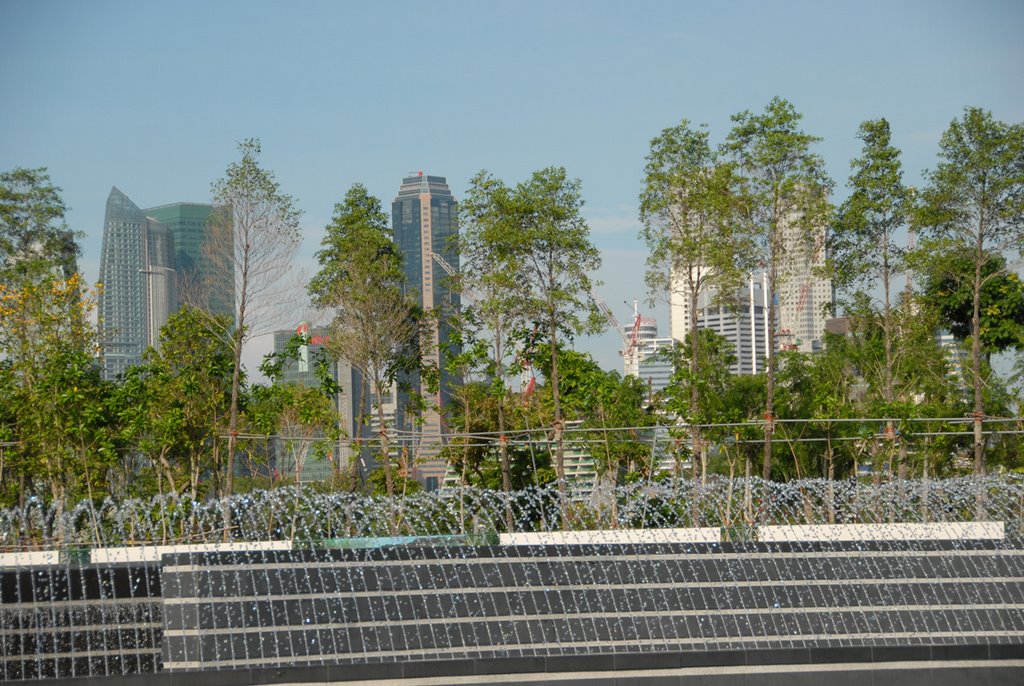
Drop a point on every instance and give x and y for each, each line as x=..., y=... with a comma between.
x=690, y=213
x=479, y=457
x=711, y=375
x=537, y=230
x=784, y=190
x=173, y=407
x=974, y=206
x=303, y=418
x=975, y=196
x=862, y=247
x=542, y=250
x=54, y=407
x=709, y=216
x=34, y=240
x=949, y=289
x=376, y=324
x=783, y=183
x=379, y=486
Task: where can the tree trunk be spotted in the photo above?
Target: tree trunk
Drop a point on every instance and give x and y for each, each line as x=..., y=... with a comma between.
x=695, y=450
x=236, y=379
x=385, y=448
x=361, y=422
x=979, y=409
x=887, y=391
x=558, y=425
x=830, y=476
x=506, y=475
x=769, y=409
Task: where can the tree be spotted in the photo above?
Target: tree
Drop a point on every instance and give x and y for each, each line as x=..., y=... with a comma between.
x=613, y=405
x=304, y=417
x=862, y=246
x=34, y=240
x=548, y=242
x=55, y=404
x=254, y=235
x=699, y=384
x=375, y=322
x=785, y=193
x=174, y=406
x=974, y=205
x=490, y=274
x=688, y=209
x=948, y=288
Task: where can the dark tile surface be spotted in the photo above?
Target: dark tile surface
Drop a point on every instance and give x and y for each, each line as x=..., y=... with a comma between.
x=549, y=597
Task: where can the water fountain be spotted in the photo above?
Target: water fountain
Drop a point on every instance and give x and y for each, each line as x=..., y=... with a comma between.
x=677, y=570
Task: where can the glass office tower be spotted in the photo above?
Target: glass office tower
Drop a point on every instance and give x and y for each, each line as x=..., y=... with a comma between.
x=200, y=282
x=424, y=218
x=139, y=284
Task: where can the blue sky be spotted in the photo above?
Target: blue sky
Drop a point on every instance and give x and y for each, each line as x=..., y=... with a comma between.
x=153, y=96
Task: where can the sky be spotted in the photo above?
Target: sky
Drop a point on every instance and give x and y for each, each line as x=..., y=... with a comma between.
x=153, y=97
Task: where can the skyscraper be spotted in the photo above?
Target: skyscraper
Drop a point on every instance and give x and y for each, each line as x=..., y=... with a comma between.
x=744, y=323
x=803, y=293
x=200, y=282
x=424, y=216
x=139, y=283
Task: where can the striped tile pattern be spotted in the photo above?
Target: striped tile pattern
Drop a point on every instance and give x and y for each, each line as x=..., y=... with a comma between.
x=287, y=608
x=66, y=621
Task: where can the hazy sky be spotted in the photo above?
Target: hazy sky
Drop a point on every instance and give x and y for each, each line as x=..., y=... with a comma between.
x=153, y=96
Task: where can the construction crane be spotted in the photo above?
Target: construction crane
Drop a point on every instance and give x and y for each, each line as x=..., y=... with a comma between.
x=630, y=348
x=450, y=271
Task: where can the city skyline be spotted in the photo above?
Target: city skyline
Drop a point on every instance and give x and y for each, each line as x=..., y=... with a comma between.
x=584, y=85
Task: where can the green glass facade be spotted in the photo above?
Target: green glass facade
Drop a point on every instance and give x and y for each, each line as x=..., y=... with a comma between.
x=200, y=282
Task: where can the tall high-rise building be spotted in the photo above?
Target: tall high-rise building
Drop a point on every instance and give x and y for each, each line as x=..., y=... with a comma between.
x=201, y=282
x=679, y=304
x=742, y=321
x=803, y=292
x=801, y=298
x=139, y=283
x=424, y=218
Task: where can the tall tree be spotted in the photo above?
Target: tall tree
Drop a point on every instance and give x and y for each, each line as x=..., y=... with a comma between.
x=254, y=235
x=862, y=245
x=974, y=205
x=689, y=212
x=375, y=322
x=34, y=240
x=490, y=277
x=549, y=244
x=785, y=191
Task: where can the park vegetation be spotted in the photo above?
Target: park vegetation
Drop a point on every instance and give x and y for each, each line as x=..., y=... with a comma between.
x=883, y=399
